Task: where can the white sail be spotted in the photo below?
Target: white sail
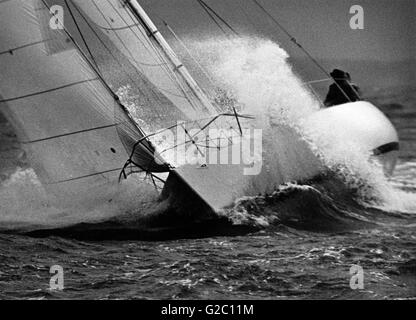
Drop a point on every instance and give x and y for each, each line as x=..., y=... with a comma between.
x=132, y=38
x=75, y=132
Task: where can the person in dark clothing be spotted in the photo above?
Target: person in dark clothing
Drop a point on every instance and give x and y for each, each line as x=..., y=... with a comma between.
x=342, y=91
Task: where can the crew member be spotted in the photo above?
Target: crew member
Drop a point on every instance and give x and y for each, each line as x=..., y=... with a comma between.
x=342, y=91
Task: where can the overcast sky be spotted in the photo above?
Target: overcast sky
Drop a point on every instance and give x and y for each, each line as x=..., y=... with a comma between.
x=321, y=26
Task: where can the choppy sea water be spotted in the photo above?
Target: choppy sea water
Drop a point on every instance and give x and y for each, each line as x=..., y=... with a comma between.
x=299, y=243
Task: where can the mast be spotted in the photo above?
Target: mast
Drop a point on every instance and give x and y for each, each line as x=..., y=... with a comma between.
x=152, y=30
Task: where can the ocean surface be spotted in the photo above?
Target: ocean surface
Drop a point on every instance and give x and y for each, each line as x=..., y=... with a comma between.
x=310, y=236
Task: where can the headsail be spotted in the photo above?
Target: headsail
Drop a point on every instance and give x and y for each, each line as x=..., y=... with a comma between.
x=76, y=133
x=136, y=38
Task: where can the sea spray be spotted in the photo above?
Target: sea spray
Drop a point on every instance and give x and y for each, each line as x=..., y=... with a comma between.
x=256, y=74
x=26, y=204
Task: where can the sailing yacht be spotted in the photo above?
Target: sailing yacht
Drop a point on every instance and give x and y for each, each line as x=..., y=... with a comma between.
x=79, y=137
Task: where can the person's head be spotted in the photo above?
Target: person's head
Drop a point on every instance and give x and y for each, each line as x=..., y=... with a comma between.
x=340, y=75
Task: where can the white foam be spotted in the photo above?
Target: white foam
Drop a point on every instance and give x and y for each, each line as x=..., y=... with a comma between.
x=25, y=203
x=257, y=74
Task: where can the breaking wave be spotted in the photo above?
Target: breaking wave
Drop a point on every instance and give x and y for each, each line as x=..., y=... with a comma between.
x=258, y=76
x=25, y=204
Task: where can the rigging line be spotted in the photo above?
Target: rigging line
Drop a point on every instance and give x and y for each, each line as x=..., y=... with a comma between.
x=293, y=39
x=189, y=53
x=213, y=19
x=71, y=133
x=81, y=34
x=219, y=17
x=104, y=83
x=204, y=127
x=114, y=29
x=312, y=89
x=213, y=140
x=318, y=81
x=48, y=90
x=193, y=122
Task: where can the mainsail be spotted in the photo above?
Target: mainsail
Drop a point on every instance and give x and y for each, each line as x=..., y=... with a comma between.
x=75, y=131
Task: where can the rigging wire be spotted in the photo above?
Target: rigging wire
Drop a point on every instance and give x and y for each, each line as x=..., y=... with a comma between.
x=293, y=39
x=212, y=18
x=189, y=53
x=81, y=35
x=212, y=12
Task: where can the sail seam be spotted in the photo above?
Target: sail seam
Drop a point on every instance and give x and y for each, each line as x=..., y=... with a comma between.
x=115, y=29
x=10, y=51
x=71, y=133
x=86, y=176
x=47, y=91
x=121, y=41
